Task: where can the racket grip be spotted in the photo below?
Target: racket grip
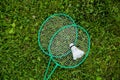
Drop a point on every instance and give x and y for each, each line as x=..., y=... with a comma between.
x=48, y=77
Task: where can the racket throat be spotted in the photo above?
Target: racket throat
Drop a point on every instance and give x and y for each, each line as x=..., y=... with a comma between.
x=77, y=53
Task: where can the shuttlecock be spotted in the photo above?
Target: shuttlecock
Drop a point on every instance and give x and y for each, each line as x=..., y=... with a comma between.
x=77, y=53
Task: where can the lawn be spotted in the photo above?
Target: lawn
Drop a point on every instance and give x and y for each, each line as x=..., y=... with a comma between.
x=21, y=57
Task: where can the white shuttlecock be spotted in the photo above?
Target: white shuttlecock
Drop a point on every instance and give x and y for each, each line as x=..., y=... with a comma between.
x=77, y=53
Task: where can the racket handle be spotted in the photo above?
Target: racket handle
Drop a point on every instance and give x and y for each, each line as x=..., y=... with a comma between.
x=48, y=77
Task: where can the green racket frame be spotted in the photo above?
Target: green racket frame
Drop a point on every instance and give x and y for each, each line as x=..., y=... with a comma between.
x=86, y=54
x=52, y=58
x=42, y=26
x=49, y=45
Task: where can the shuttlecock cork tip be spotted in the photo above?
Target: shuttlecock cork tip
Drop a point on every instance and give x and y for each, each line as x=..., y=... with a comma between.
x=71, y=44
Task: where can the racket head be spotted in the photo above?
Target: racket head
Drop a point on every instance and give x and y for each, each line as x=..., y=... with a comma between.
x=49, y=27
x=82, y=41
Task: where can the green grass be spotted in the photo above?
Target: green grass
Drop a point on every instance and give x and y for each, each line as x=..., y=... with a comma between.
x=20, y=57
